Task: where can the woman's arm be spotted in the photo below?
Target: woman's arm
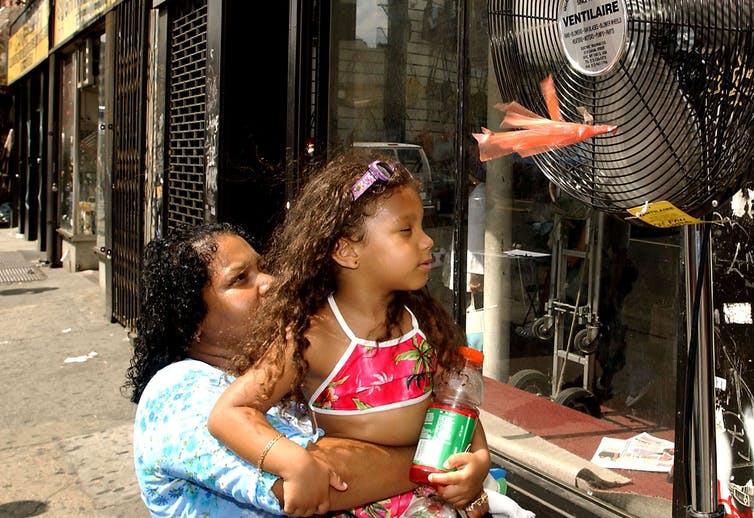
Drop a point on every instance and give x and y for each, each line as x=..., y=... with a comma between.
x=372, y=472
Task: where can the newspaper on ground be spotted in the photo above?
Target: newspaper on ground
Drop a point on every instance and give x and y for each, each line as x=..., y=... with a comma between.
x=643, y=452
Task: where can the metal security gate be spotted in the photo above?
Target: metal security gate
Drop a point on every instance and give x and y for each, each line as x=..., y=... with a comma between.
x=187, y=79
x=128, y=157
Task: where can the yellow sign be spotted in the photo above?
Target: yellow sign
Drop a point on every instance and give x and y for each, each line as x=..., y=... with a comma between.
x=29, y=44
x=72, y=15
x=662, y=214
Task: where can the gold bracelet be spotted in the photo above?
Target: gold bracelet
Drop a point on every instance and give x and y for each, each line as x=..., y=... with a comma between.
x=266, y=449
x=479, y=502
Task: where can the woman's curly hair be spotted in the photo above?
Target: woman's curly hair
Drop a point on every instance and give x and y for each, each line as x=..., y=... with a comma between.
x=175, y=270
x=300, y=261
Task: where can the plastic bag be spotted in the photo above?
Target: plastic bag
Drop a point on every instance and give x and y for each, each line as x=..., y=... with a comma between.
x=529, y=134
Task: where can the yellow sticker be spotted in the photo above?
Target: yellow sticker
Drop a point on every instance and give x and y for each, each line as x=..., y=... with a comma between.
x=663, y=214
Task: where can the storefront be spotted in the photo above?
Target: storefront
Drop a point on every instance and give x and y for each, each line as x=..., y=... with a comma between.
x=56, y=72
x=81, y=123
x=28, y=45
x=77, y=154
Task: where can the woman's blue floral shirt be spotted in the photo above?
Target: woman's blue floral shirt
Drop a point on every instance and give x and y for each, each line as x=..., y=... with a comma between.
x=181, y=468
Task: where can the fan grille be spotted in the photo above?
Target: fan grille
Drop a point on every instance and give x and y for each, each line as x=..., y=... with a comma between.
x=680, y=94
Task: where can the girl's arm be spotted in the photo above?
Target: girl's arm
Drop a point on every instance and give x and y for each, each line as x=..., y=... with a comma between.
x=238, y=421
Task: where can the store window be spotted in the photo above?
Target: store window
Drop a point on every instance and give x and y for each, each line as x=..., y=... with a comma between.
x=577, y=311
x=88, y=86
x=392, y=88
x=103, y=172
x=78, y=146
x=67, y=142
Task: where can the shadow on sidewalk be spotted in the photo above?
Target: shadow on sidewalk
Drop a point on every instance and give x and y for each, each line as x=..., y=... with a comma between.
x=23, y=508
x=25, y=291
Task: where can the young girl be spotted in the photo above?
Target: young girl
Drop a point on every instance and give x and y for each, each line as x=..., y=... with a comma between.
x=350, y=328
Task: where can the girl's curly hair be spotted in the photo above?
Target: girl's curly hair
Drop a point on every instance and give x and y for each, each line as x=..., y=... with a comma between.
x=300, y=261
x=174, y=272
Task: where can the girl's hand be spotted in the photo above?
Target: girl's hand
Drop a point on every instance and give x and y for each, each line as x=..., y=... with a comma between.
x=463, y=486
x=306, y=490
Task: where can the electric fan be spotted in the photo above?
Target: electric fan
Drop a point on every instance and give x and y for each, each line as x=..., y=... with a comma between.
x=675, y=77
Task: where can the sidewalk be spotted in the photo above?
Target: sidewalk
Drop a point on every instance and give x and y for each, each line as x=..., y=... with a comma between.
x=65, y=428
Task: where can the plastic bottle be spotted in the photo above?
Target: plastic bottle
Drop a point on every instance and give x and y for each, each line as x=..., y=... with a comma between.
x=451, y=419
x=426, y=504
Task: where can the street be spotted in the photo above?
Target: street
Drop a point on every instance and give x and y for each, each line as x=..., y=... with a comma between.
x=65, y=428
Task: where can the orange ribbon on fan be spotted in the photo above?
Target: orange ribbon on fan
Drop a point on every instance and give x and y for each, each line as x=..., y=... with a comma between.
x=530, y=134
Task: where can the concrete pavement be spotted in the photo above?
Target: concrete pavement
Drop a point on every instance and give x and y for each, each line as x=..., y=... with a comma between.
x=65, y=428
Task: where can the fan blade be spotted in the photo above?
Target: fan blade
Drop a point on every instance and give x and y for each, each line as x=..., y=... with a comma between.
x=660, y=138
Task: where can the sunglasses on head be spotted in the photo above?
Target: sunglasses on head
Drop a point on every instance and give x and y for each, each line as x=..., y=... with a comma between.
x=377, y=171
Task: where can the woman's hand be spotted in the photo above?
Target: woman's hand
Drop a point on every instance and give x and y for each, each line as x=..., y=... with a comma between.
x=306, y=489
x=463, y=486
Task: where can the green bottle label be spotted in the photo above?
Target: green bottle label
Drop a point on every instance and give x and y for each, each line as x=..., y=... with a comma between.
x=445, y=432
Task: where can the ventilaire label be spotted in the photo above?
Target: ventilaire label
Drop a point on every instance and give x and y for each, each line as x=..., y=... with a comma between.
x=592, y=34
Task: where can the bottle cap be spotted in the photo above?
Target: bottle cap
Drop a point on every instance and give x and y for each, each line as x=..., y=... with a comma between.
x=498, y=473
x=472, y=355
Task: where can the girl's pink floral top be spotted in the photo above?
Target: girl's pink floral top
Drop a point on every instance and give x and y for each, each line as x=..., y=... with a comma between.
x=372, y=377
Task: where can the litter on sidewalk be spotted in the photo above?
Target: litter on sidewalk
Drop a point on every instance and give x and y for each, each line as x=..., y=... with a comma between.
x=80, y=359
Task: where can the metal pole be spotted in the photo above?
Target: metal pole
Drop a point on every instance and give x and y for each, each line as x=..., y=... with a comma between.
x=702, y=460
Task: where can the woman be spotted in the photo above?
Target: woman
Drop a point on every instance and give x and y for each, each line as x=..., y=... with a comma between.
x=200, y=288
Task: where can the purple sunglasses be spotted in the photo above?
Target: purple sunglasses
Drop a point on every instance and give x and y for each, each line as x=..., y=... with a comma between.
x=377, y=170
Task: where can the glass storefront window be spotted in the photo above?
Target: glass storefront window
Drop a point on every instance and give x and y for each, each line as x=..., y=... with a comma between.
x=67, y=142
x=87, y=195
x=79, y=111
x=561, y=258
x=102, y=169
x=575, y=310
x=572, y=307
x=393, y=80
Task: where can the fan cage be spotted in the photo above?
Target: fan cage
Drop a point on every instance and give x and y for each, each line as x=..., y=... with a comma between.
x=680, y=95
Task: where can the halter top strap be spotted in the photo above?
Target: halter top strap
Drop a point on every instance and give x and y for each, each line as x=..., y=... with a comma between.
x=347, y=330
